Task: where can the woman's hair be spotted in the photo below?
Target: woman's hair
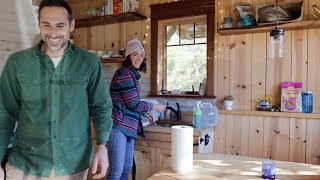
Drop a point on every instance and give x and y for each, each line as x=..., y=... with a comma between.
x=55, y=3
x=128, y=64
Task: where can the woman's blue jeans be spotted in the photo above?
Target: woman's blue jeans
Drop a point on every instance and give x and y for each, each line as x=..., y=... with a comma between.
x=121, y=150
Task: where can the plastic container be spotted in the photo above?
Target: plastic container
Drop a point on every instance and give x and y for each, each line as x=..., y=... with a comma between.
x=227, y=22
x=197, y=116
x=209, y=114
x=307, y=102
x=268, y=169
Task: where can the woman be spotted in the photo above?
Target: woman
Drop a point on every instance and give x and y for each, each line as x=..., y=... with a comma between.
x=127, y=109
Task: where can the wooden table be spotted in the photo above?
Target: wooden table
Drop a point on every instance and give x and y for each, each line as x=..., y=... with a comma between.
x=221, y=166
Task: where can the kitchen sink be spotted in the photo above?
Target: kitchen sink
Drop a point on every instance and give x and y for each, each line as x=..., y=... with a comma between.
x=169, y=123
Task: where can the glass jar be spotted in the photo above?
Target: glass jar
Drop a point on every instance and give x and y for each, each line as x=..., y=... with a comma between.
x=227, y=22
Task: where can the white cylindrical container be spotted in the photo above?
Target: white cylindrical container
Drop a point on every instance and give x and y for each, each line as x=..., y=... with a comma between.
x=182, y=149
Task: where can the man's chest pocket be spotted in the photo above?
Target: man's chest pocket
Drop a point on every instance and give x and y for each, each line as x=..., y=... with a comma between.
x=74, y=88
x=66, y=80
x=33, y=88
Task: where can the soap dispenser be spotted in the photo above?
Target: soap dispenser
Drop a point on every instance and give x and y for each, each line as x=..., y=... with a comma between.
x=197, y=115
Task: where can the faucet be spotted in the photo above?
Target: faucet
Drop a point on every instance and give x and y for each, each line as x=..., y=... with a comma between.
x=176, y=112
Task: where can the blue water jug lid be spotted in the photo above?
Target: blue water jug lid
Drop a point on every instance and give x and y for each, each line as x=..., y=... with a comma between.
x=308, y=92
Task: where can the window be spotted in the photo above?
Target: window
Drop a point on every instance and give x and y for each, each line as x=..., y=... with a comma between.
x=182, y=42
x=185, y=52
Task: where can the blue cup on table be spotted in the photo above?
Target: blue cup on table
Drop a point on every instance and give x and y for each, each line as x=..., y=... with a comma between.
x=268, y=169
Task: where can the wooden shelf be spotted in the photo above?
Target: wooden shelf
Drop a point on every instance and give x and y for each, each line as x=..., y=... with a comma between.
x=109, y=19
x=310, y=24
x=183, y=96
x=271, y=114
x=111, y=60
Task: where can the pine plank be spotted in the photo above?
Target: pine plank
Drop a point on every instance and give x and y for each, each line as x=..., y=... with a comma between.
x=220, y=135
x=299, y=57
x=276, y=138
x=256, y=136
x=313, y=67
x=93, y=38
x=237, y=136
x=100, y=33
x=259, y=64
x=163, y=157
x=111, y=35
x=145, y=161
x=223, y=59
x=240, y=70
x=134, y=30
x=298, y=132
x=313, y=143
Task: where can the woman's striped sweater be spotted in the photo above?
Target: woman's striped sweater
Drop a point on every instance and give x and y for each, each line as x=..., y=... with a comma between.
x=127, y=106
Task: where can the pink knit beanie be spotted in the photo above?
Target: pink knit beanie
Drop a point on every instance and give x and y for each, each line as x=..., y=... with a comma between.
x=134, y=45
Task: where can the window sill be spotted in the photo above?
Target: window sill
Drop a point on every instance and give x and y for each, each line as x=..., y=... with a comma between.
x=191, y=96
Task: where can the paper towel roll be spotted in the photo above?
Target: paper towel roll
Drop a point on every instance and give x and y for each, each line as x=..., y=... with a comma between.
x=182, y=149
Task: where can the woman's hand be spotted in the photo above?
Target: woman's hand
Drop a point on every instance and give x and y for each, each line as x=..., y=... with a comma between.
x=159, y=107
x=1, y=173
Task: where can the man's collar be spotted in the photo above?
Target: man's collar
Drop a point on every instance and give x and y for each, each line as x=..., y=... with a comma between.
x=38, y=50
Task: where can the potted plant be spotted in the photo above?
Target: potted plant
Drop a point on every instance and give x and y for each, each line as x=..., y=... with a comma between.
x=228, y=102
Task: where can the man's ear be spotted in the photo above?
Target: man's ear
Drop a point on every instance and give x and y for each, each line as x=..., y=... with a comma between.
x=72, y=24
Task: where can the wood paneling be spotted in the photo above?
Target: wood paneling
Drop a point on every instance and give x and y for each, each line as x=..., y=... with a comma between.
x=313, y=143
x=240, y=70
x=144, y=159
x=220, y=135
x=237, y=136
x=276, y=138
x=298, y=139
x=256, y=133
x=259, y=65
x=300, y=62
x=313, y=67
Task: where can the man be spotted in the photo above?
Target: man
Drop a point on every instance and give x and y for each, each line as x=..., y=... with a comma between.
x=52, y=89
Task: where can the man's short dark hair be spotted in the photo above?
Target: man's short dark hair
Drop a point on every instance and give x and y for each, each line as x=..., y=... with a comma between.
x=55, y=3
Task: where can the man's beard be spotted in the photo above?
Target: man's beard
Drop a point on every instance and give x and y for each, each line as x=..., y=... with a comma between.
x=55, y=48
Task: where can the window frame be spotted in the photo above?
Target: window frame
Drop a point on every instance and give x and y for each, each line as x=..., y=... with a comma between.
x=174, y=10
x=162, y=35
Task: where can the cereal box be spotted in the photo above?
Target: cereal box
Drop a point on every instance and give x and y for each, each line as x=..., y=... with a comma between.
x=291, y=99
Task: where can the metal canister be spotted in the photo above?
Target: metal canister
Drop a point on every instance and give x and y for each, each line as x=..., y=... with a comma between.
x=307, y=102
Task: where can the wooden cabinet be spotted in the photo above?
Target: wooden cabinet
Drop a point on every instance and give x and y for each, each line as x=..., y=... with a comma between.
x=163, y=158
x=144, y=158
x=153, y=153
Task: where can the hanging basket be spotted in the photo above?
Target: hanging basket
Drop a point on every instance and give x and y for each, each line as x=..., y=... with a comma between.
x=288, y=12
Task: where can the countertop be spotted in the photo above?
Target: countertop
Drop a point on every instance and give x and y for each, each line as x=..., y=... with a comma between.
x=167, y=130
x=222, y=166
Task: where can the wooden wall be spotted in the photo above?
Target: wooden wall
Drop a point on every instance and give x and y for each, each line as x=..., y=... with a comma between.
x=244, y=70
x=19, y=27
x=280, y=138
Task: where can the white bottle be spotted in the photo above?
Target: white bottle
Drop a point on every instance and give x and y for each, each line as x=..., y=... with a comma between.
x=167, y=113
